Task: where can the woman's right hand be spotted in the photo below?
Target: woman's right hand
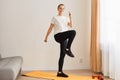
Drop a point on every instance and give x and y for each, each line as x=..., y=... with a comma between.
x=45, y=40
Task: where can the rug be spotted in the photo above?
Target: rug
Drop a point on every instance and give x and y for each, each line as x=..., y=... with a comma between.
x=52, y=76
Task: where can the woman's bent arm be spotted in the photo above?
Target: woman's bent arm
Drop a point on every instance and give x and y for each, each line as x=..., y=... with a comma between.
x=70, y=23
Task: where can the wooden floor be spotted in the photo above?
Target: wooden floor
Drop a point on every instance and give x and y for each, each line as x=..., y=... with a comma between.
x=74, y=72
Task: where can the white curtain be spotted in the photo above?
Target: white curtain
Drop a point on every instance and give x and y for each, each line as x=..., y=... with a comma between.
x=110, y=38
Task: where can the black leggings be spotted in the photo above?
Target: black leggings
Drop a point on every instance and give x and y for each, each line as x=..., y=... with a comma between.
x=65, y=39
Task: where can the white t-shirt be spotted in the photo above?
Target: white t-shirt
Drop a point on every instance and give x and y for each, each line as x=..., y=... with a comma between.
x=60, y=24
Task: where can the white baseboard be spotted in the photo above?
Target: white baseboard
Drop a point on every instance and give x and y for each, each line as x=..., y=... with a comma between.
x=40, y=68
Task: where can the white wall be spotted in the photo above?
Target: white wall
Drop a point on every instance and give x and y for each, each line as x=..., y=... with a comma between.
x=24, y=23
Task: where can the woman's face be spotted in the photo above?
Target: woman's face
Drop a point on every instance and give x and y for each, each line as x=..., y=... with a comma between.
x=61, y=9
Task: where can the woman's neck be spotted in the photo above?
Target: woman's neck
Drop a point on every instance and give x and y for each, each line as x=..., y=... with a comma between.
x=60, y=14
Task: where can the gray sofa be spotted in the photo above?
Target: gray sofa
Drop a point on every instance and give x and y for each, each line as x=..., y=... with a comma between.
x=10, y=67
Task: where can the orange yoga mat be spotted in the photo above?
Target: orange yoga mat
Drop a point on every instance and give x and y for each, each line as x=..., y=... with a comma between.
x=52, y=76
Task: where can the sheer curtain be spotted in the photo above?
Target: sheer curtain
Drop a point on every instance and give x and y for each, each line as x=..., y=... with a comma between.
x=110, y=38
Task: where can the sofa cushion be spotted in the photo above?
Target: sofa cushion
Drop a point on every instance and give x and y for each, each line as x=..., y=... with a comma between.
x=10, y=67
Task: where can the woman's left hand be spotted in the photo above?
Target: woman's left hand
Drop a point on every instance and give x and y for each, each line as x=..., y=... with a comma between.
x=69, y=14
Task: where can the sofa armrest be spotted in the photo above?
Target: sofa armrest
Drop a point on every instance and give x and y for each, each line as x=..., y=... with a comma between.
x=0, y=56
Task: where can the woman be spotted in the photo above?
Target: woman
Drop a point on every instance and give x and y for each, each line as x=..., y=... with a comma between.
x=62, y=35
